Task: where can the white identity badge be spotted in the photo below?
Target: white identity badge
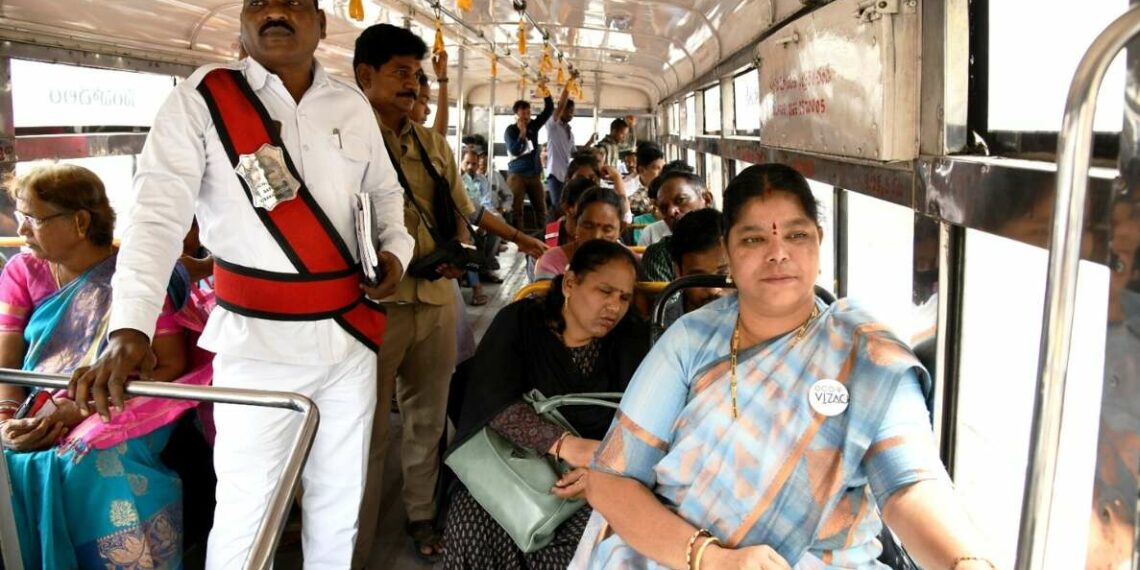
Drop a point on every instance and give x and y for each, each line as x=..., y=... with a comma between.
x=828, y=397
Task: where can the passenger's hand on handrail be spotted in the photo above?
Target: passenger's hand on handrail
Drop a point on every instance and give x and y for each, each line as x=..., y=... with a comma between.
x=31, y=434
x=716, y=557
x=127, y=351
x=572, y=485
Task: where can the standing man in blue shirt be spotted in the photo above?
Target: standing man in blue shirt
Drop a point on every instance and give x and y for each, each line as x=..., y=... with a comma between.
x=525, y=169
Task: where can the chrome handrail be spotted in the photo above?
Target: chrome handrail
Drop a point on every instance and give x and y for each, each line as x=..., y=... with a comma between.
x=1074, y=145
x=272, y=523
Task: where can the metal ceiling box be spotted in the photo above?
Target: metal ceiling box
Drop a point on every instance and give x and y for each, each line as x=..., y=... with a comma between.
x=844, y=80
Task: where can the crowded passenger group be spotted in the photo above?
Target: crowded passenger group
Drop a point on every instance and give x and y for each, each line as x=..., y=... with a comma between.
x=768, y=427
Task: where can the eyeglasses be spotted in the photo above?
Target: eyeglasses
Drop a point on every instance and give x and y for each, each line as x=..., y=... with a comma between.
x=34, y=222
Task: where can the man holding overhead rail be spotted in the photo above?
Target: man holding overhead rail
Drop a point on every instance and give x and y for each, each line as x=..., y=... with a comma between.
x=269, y=152
x=420, y=344
x=559, y=147
x=525, y=167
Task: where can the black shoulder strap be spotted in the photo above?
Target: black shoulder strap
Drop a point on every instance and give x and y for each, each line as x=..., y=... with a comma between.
x=409, y=196
x=442, y=185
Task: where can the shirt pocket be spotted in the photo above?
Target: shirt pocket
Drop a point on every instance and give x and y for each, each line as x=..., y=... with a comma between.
x=352, y=155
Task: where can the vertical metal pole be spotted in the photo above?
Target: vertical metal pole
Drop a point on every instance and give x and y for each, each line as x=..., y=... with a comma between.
x=9, y=539
x=460, y=103
x=491, y=137
x=597, y=100
x=840, y=242
x=1073, y=148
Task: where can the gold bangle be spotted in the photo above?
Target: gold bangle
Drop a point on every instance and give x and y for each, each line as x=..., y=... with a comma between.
x=962, y=559
x=701, y=551
x=558, y=445
x=689, y=548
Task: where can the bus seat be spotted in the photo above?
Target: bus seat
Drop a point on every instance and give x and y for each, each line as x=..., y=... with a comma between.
x=667, y=290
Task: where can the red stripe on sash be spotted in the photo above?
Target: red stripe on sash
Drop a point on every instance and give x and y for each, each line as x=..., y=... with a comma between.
x=295, y=220
x=327, y=283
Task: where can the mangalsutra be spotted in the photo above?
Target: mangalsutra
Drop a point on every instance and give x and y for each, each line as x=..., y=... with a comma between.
x=734, y=348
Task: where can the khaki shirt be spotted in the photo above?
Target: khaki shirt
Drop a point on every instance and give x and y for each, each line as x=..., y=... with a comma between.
x=404, y=148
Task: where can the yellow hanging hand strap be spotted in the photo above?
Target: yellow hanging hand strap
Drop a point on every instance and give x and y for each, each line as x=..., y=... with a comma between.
x=356, y=10
x=522, y=35
x=463, y=5
x=438, y=47
x=494, y=64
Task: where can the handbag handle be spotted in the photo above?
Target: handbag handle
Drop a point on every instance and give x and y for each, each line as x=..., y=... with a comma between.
x=604, y=399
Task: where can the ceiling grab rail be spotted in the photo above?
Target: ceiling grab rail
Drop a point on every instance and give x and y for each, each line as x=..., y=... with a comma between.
x=272, y=522
x=1074, y=145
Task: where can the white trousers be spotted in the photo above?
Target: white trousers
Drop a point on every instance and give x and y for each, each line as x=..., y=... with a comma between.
x=252, y=443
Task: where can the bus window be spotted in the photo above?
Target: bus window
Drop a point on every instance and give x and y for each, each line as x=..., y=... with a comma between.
x=880, y=258
x=690, y=115
x=116, y=172
x=825, y=195
x=712, y=110
x=675, y=120
x=746, y=103
x=739, y=165
x=1032, y=97
x=714, y=178
x=56, y=95
x=691, y=158
x=1003, y=294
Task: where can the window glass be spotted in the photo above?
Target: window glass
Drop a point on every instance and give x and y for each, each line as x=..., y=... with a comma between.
x=56, y=95
x=116, y=172
x=825, y=195
x=740, y=165
x=712, y=110
x=1028, y=96
x=691, y=158
x=1004, y=292
x=690, y=116
x=880, y=258
x=746, y=102
x=714, y=178
x=676, y=120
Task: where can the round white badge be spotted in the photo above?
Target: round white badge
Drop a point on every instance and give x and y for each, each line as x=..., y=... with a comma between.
x=828, y=397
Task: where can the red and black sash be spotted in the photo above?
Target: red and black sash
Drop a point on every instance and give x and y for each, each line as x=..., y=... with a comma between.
x=327, y=282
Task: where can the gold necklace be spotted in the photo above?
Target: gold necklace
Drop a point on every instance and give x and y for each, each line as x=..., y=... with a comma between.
x=55, y=274
x=734, y=348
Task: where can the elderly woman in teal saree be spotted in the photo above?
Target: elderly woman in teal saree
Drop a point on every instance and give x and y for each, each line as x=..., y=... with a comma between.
x=768, y=430
x=87, y=493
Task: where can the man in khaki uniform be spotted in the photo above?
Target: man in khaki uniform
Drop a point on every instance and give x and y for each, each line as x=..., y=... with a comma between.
x=420, y=343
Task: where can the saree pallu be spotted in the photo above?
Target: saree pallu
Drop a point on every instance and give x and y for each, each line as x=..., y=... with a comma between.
x=781, y=474
x=101, y=498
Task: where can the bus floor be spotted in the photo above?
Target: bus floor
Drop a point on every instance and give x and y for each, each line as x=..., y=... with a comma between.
x=393, y=550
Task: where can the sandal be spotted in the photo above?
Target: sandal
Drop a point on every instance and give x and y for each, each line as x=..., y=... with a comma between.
x=479, y=300
x=425, y=537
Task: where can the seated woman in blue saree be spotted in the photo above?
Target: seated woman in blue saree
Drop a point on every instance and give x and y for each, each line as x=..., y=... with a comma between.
x=87, y=493
x=768, y=429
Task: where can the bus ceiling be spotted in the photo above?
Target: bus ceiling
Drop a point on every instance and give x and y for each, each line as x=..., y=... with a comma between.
x=632, y=54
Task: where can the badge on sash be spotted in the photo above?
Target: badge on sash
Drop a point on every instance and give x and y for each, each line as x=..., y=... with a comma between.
x=828, y=397
x=268, y=177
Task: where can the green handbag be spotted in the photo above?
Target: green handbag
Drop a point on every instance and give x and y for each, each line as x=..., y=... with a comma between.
x=512, y=483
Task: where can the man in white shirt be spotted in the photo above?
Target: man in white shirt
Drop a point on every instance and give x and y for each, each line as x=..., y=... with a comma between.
x=650, y=161
x=320, y=137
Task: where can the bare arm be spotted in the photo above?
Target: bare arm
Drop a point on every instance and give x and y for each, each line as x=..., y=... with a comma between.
x=933, y=526
x=562, y=100
x=443, y=107
x=639, y=518
x=496, y=225
x=12, y=348
x=171, y=354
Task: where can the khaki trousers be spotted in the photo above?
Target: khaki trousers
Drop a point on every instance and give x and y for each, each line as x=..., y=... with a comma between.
x=419, y=349
x=523, y=187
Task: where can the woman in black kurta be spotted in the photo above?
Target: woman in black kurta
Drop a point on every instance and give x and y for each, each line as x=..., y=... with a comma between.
x=580, y=338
